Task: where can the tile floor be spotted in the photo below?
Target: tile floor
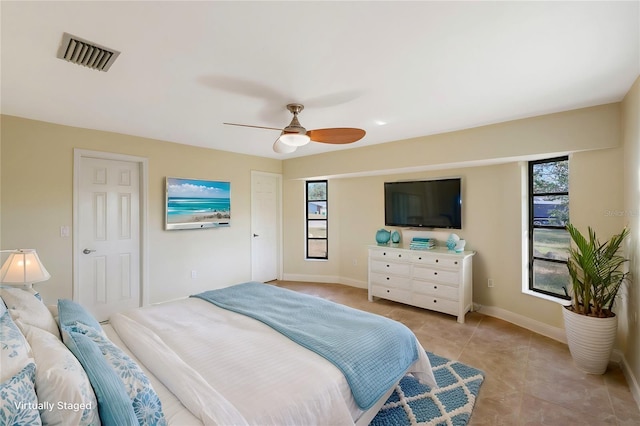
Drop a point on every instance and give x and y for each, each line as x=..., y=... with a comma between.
x=530, y=379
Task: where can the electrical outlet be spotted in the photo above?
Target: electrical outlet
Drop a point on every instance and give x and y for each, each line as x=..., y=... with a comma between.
x=194, y=274
x=490, y=282
x=355, y=262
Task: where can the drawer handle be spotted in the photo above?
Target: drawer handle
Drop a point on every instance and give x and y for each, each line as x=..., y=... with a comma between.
x=455, y=263
x=384, y=253
x=387, y=291
x=387, y=266
x=435, y=301
x=435, y=273
x=435, y=287
x=419, y=258
x=399, y=255
x=437, y=261
x=387, y=278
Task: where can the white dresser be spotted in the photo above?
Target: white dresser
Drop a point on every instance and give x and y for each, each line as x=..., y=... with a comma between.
x=436, y=279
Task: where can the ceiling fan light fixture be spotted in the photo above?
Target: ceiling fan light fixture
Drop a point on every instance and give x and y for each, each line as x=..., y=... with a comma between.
x=294, y=139
x=294, y=135
x=281, y=148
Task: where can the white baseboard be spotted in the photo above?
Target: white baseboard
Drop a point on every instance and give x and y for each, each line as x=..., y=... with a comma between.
x=547, y=330
x=353, y=283
x=324, y=279
x=311, y=278
x=632, y=381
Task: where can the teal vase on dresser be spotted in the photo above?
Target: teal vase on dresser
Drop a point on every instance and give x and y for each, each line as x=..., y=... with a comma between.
x=382, y=237
x=395, y=237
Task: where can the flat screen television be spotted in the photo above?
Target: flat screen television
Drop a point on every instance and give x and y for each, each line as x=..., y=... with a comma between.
x=423, y=203
x=197, y=203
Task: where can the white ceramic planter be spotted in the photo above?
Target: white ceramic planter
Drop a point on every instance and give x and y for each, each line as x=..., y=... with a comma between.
x=590, y=340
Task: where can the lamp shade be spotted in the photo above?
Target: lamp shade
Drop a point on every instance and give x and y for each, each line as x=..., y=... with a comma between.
x=295, y=139
x=22, y=267
x=282, y=148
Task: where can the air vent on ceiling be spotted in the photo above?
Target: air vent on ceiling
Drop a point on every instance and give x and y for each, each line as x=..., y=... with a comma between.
x=86, y=53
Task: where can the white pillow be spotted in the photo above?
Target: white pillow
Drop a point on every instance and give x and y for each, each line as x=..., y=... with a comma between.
x=30, y=310
x=62, y=385
x=54, y=311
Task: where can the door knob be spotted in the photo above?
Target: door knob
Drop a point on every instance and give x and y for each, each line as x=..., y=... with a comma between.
x=87, y=251
x=256, y=235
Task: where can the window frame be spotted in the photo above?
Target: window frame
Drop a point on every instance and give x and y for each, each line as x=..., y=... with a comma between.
x=308, y=219
x=531, y=227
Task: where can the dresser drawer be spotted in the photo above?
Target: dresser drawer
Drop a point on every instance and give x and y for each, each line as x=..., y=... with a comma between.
x=434, y=289
x=391, y=293
x=391, y=280
x=389, y=254
x=436, y=304
x=435, y=260
x=391, y=267
x=433, y=274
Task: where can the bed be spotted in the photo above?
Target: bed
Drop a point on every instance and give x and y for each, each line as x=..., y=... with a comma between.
x=193, y=362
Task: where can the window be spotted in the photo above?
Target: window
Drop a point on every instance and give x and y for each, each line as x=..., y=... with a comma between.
x=316, y=200
x=549, y=241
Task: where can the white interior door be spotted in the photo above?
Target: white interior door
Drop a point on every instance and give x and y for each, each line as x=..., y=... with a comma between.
x=265, y=226
x=109, y=237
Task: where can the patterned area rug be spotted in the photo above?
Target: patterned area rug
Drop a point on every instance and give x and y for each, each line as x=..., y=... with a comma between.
x=413, y=403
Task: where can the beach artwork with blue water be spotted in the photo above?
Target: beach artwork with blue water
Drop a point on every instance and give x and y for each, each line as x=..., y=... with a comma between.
x=198, y=201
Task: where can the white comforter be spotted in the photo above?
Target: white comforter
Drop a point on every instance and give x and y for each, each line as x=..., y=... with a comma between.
x=228, y=369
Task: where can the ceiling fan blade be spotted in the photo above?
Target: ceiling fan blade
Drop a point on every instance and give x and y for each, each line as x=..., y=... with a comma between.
x=255, y=127
x=338, y=135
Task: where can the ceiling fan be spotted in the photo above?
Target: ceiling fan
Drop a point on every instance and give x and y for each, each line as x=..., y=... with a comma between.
x=294, y=135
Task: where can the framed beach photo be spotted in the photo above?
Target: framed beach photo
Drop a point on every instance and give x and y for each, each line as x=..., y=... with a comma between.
x=197, y=203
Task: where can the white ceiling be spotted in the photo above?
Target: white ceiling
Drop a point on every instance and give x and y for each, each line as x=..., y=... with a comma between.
x=421, y=67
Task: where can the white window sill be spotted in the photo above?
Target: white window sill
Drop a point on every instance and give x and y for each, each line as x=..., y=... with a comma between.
x=563, y=302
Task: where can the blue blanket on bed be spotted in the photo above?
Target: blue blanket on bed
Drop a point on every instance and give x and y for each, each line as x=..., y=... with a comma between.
x=373, y=352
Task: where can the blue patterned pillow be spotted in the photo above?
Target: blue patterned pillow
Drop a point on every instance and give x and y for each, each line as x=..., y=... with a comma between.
x=70, y=312
x=15, y=352
x=114, y=404
x=145, y=401
x=18, y=400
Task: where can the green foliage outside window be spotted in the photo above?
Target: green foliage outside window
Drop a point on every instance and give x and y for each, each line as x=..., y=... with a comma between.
x=549, y=241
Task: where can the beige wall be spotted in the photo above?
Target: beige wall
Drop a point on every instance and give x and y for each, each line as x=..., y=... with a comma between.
x=37, y=195
x=492, y=206
x=631, y=297
x=1, y=245
x=571, y=131
x=492, y=211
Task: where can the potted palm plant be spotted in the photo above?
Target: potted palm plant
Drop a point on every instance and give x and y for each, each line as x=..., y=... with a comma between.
x=596, y=276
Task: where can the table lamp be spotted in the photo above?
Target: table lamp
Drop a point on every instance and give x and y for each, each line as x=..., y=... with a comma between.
x=22, y=268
